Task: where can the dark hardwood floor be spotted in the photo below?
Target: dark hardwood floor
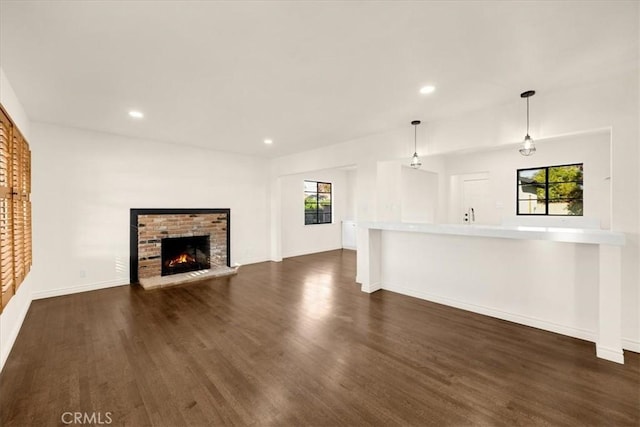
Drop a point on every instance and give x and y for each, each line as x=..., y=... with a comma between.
x=297, y=343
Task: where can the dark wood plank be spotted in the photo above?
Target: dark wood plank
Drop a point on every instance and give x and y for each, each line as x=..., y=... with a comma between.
x=297, y=343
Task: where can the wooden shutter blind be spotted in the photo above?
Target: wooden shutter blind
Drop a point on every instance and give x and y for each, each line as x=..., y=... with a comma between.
x=15, y=208
x=6, y=239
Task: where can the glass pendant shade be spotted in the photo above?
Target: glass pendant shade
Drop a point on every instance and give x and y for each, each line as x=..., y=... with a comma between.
x=415, y=161
x=528, y=147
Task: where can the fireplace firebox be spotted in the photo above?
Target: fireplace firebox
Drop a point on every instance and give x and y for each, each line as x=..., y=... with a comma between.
x=184, y=254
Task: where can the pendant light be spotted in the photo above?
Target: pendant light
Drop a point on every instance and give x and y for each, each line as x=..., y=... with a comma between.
x=415, y=160
x=528, y=148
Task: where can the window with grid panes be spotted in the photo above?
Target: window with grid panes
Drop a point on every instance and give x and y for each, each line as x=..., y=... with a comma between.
x=551, y=190
x=317, y=202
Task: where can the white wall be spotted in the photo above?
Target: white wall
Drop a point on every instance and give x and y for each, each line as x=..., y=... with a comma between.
x=370, y=155
x=13, y=314
x=350, y=211
x=389, y=189
x=405, y=194
x=300, y=239
x=365, y=153
x=86, y=182
x=419, y=195
x=591, y=149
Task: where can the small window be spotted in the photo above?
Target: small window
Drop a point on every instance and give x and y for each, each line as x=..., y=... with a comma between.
x=551, y=190
x=317, y=202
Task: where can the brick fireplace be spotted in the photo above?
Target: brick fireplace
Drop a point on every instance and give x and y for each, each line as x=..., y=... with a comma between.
x=157, y=259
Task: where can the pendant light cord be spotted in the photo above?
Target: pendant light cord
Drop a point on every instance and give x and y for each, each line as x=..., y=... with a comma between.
x=415, y=138
x=527, y=115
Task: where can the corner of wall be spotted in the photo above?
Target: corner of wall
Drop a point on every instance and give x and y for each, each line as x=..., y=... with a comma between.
x=12, y=104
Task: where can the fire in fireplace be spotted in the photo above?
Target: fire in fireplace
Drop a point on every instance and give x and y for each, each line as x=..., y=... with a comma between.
x=184, y=254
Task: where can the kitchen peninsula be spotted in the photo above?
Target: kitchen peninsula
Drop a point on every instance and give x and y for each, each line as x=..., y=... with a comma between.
x=525, y=274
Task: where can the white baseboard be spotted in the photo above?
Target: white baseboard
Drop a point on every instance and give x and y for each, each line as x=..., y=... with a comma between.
x=254, y=260
x=488, y=311
x=610, y=354
x=6, y=350
x=631, y=345
x=371, y=288
x=311, y=251
x=82, y=288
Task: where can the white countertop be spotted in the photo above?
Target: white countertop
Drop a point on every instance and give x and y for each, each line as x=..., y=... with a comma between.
x=555, y=234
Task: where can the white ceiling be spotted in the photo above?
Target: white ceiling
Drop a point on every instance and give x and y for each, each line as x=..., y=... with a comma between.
x=227, y=75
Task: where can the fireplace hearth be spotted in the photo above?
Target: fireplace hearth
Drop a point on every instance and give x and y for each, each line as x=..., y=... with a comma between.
x=184, y=254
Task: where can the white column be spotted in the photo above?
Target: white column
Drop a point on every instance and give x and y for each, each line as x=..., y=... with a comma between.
x=609, y=343
x=276, y=220
x=368, y=259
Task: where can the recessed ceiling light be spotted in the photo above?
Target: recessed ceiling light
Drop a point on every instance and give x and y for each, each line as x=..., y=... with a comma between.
x=268, y=141
x=425, y=90
x=136, y=114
